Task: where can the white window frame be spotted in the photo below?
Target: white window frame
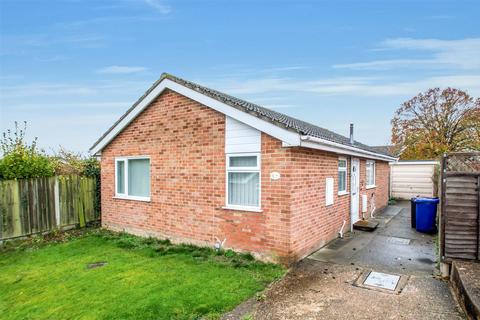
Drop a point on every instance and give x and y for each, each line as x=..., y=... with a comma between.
x=243, y=169
x=125, y=168
x=367, y=163
x=343, y=192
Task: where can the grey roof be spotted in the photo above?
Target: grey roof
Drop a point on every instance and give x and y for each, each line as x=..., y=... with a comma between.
x=384, y=150
x=274, y=117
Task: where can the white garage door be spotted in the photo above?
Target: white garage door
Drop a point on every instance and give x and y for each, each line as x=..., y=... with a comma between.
x=412, y=178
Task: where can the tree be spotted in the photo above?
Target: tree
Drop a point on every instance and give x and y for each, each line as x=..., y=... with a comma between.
x=435, y=122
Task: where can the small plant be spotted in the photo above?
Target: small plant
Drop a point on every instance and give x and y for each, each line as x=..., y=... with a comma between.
x=260, y=296
x=248, y=316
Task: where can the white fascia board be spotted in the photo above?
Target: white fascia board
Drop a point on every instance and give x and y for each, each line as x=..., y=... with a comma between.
x=284, y=135
x=322, y=144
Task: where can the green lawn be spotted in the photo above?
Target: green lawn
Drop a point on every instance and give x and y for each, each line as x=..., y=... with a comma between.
x=143, y=279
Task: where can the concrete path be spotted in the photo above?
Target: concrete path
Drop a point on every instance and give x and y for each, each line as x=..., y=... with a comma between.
x=322, y=286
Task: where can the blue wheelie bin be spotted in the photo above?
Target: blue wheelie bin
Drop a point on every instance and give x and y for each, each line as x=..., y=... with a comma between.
x=426, y=214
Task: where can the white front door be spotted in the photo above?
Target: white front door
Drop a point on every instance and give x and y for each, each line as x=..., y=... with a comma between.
x=355, y=190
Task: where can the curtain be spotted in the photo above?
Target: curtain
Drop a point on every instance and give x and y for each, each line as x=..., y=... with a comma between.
x=139, y=177
x=243, y=188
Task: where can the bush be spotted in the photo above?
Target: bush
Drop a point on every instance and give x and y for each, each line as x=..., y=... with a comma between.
x=22, y=160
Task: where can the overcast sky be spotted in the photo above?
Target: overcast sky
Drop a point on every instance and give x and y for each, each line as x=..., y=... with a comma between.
x=71, y=68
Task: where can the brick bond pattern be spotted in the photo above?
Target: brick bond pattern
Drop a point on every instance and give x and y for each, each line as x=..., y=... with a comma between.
x=186, y=144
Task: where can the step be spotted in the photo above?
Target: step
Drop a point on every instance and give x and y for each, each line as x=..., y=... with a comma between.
x=365, y=225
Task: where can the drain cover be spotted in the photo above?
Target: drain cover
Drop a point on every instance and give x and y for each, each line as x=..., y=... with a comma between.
x=96, y=265
x=382, y=280
x=396, y=240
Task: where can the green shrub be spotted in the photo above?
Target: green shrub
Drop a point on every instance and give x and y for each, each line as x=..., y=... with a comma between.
x=22, y=160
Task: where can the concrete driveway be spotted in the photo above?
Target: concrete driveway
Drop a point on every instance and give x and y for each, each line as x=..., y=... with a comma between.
x=328, y=284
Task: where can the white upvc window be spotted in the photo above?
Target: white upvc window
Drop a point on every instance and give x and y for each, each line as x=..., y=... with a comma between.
x=342, y=176
x=370, y=171
x=132, y=178
x=243, y=181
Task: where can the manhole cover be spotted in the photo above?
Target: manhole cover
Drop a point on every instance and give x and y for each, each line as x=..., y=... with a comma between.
x=382, y=280
x=95, y=265
x=396, y=240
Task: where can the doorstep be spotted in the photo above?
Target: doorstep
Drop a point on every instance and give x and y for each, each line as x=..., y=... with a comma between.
x=365, y=225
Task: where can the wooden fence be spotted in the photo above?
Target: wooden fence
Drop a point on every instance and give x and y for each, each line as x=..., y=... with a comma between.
x=460, y=214
x=38, y=205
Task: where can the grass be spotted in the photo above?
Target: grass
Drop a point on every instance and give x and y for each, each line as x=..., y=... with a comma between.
x=392, y=201
x=142, y=279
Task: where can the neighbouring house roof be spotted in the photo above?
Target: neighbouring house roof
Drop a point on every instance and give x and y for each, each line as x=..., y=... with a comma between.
x=307, y=131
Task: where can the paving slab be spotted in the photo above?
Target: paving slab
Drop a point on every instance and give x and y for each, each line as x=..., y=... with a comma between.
x=393, y=247
x=330, y=284
x=321, y=290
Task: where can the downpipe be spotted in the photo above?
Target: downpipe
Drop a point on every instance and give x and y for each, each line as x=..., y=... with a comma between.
x=219, y=244
x=340, y=233
x=372, y=206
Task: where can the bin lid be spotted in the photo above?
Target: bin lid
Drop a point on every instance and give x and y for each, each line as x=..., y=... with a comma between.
x=426, y=200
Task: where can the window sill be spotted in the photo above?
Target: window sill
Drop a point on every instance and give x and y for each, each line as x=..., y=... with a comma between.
x=144, y=199
x=343, y=193
x=240, y=208
x=371, y=186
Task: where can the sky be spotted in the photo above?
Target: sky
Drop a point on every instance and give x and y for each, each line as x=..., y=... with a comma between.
x=70, y=68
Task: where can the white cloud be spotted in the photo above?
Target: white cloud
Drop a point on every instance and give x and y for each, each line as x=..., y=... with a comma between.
x=457, y=54
x=159, y=6
x=45, y=89
x=354, y=86
x=24, y=44
x=63, y=106
x=121, y=70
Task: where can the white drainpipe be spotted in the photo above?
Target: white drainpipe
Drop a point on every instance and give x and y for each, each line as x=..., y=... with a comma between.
x=340, y=233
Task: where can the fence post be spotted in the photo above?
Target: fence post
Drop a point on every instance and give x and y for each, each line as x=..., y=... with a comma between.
x=444, y=267
x=57, y=202
x=478, y=218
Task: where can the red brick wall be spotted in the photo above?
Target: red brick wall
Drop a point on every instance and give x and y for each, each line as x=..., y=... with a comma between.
x=186, y=144
x=313, y=224
x=377, y=196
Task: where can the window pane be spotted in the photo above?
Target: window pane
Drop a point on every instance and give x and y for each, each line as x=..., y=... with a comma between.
x=121, y=177
x=250, y=161
x=243, y=188
x=139, y=177
x=342, y=181
x=342, y=163
x=370, y=173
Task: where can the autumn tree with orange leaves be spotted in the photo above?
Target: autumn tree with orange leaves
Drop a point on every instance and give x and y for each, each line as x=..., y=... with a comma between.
x=435, y=122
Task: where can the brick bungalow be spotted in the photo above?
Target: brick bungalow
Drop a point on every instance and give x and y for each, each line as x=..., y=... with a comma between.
x=194, y=165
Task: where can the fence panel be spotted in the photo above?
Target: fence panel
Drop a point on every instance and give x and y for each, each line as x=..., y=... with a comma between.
x=461, y=217
x=32, y=206
x=460, y=228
